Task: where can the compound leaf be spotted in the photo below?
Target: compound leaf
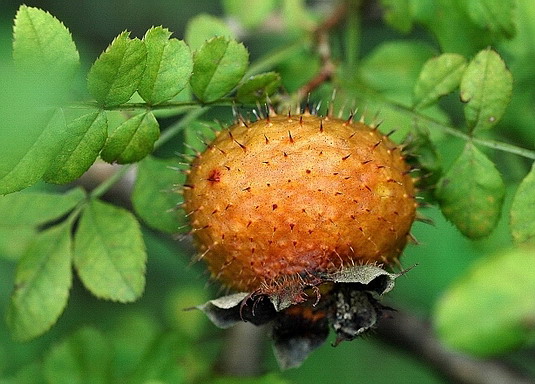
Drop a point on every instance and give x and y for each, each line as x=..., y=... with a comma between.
x=218, y=66
x=86, y=137
x=168, y=69
x=258, y=87
x=439, y=76
x=155, y=197
x=471, y=193
x=523, y=210
x=132, y=140
x=490, y=311
x=43, y=45
x=486, y=88
x=42, y=282
x=115, y=75
x=109, y=253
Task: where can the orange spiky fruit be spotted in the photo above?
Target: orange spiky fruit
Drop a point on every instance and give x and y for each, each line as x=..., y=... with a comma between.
x=274, y=204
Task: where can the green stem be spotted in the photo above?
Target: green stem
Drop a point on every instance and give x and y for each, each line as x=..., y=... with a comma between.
x=109, y=182
x=497, y=145
x=171, y=131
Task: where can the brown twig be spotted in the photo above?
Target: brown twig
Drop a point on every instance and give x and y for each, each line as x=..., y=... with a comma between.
x=412, y=335
x=321, y=37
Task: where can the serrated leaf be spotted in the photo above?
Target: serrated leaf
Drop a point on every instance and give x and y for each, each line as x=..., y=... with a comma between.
x=23, y=212
x=203, y=27
x=30, y=149
x=115, y=75
x=86, y=136
x=523, y=210
x=42, y=282
x=486, y=87
x=471, y=193
x=84, y=357
x=168, y=69
x=490, y=311
x=37, y=208
x=132, y=140
x=397, y=13
x=155, y=198
x=218, y=66
x=256, y=14
x=109, y=253
x=258, y=87
x=42, y=44
x=494, y=15
x=439, y=76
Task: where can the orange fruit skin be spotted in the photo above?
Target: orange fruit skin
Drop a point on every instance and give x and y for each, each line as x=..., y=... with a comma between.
x=282, y=200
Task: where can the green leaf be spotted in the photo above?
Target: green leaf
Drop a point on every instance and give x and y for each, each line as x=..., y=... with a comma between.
x=37, y=208
x=115, y=75
x=132, y=140
x=42, y=282
x=218, y=66
x=109, y=253
x=393, y=67
x=23, y=212
x=471, y=193
x=86, y=137
x=494, y=15
x=250, y=13
x=523, y=210
x=155, y=196
x=169, y=66
x=258, y=87
x=203, y=27
x=439, y=76
x=397, y=14
x=42, y=44
x=84, y=357
x=490, y=311
x=486, y=87
x=30, y=149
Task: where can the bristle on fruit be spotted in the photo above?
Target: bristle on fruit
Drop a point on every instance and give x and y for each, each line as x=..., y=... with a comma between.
x=274, y=204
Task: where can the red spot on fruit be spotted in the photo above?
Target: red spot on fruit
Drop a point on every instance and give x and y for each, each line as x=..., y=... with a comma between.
x=215, y=176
